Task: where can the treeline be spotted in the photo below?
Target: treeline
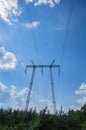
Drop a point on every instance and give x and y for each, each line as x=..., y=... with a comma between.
x=31, y=120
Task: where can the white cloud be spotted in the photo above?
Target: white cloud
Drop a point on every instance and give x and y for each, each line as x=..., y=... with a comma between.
x=22, y=92
x=13, y=91
x=7, y=59
x=75, y=108
x=12, y=97
x=17, y=97
x=34, y=24
x=43, y=100
x=17, y=94
x=29, y=1
x=81, y=91
x=3, y=87
x=46, y=2
x=82, y=101
x=83, y=86
x=1, y=104
x=51, y=3
x=9, y=8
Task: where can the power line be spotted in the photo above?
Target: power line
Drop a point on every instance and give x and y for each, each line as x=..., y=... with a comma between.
x=67, y=28
x=29, y=16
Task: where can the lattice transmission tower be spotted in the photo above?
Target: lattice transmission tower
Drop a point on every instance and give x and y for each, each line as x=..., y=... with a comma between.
x=34, y=67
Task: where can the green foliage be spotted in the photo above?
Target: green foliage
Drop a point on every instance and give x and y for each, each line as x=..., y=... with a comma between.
x=31, y=120
x=84, y=126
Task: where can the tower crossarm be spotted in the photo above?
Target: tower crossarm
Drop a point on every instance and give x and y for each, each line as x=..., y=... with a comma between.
x=43, y=66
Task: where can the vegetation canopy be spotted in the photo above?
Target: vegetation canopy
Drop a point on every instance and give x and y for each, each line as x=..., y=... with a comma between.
x=31, y=120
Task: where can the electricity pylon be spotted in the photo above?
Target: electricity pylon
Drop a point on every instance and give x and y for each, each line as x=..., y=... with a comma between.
x=51, y=66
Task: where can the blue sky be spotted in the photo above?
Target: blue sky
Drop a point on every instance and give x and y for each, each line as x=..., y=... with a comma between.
x=35, y=30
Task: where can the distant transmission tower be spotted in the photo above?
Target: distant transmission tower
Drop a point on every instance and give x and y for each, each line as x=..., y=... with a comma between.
x=51, y=78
